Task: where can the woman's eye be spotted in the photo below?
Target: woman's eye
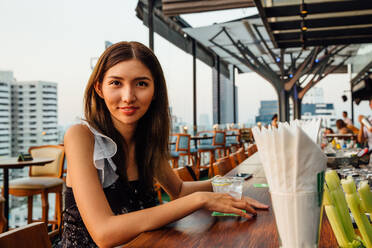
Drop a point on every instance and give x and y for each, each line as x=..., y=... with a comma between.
x=142, y=84
x=115, y=82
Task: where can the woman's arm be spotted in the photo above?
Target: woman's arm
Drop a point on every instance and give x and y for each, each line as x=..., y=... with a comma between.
x=176, y=188
x=105, y=228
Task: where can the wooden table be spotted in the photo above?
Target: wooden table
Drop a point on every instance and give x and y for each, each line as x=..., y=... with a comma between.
x=12, y=163
x=200, y=229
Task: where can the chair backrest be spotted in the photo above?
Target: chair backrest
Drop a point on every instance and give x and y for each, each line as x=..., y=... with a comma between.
x=183, y=173
x=53, y=169
x=183, y=142
x=222, y=166
x=33, y=235
x=234, y=159
x=2, y=217
x=241, y=155
x=252, y=149
x=172, y=142
x=219, y=138
x=206, y=141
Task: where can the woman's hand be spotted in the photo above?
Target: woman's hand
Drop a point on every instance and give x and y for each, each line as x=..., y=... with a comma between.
x=225, y=203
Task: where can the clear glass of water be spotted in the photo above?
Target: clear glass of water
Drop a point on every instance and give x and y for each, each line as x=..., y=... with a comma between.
x=229, y=185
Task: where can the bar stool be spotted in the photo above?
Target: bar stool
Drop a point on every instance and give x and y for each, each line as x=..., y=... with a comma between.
x=43, y=180
x=219, y=142
x=233, y=141
x=183, y=149
x=206, y=146
x=174, y=156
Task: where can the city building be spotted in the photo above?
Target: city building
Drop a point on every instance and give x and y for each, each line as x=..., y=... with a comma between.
x=313, y=106
x=266, y=111
x=324, y=111
x=227, y=101
x=6, y=80
x=34, y=115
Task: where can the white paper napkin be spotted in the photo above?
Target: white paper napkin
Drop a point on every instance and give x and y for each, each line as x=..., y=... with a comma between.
x=293, y=165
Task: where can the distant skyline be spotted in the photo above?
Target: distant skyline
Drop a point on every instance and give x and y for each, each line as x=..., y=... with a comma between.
x=55, y=40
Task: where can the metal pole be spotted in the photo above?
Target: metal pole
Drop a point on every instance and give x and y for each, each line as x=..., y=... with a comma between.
x=218, y=91
x=195, y=122
x=151, y=24
x=6, y=196
x=234, y=96
x=283, y=105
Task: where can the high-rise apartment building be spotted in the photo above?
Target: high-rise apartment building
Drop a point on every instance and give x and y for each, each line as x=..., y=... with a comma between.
x=6, y=80
x=34, y=115
x=226, y=98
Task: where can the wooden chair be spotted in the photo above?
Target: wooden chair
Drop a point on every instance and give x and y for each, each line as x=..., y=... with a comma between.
x=241, y=155
x=206, y=146
x=185, y=173
x=174, y=156
x=2, y=217
x=43, y=180
x=183, y=148
x=33, y=235
x=234, y=159
x=252, y=149
x=222, y=166
x=219, y=142
x=233, y=141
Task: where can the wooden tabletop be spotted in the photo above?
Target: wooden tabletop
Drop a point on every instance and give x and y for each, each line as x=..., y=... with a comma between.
x=200, y=229
x=12, y=163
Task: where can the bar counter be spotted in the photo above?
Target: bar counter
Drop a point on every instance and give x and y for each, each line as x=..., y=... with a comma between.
x=200, y=229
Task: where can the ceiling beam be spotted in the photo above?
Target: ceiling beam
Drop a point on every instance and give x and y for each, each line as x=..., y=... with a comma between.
x=261, y=11
x=318, y=8
x=322, y=22
x=324, y=33
x=178, y=7
x=327, y=42
x=173, y=33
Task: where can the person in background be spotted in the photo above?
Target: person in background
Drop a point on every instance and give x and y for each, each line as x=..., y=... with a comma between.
x=346, y=119
x=120, y=149
x=342, y=127
x=328, y=130
x=365, y=133
x=349, y=123
x=274, y=120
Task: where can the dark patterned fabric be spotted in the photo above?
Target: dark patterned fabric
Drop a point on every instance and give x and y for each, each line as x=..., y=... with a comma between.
x=122, y=199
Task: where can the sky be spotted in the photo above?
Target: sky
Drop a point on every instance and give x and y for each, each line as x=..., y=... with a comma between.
x=55, y=41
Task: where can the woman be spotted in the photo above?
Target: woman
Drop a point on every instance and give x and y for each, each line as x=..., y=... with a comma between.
x=342, y=127
x=274, y=120
x=115, y=155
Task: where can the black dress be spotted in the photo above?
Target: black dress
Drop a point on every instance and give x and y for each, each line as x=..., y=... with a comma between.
x=122, y=199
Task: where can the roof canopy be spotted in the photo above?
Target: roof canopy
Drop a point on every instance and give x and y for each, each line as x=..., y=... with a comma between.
x=245, y=43
x=299, y=23
x=177, y=7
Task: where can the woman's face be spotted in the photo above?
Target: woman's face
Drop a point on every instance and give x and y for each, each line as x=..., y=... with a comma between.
x=127, y=89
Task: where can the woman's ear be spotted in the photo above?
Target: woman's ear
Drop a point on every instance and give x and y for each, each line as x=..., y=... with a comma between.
x=98, y=89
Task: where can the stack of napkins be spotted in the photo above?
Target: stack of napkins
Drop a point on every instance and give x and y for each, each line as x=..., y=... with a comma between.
x=294, y=166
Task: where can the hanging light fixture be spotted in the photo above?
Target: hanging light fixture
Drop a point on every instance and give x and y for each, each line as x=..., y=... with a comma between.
x=303, y=28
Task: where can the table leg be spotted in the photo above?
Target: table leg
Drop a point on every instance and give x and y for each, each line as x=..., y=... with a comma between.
x=6, y=196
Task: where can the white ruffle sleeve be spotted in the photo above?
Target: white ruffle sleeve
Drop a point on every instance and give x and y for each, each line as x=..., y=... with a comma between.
x=104, y=149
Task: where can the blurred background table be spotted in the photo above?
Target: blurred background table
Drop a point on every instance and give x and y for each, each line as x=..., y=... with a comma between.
x=13, y=163
x=200, y=229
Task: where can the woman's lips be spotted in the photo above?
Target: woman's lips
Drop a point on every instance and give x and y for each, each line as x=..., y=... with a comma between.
x=129, y=110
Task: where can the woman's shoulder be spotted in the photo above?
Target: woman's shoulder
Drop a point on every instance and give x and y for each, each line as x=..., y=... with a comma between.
x=79, y=132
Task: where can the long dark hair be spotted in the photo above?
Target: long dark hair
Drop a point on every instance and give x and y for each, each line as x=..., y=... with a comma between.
x=152, y=131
